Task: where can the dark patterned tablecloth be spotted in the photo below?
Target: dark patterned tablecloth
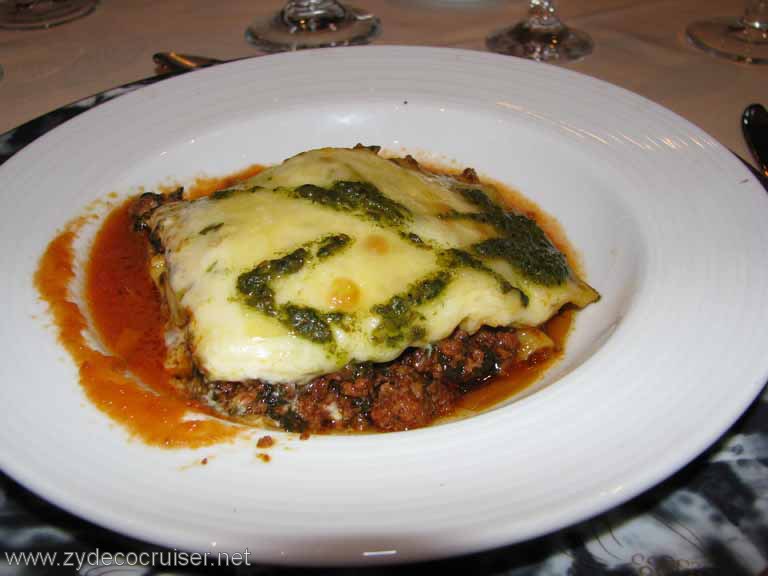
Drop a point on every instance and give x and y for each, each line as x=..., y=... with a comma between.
x=711, y=518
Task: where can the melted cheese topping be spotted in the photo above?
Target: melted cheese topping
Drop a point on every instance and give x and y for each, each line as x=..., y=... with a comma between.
x=339, y=255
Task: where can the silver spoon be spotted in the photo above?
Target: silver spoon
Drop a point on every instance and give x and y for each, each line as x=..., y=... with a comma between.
x=754, y=124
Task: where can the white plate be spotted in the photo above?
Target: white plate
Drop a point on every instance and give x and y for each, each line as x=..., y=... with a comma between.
x=672, y=232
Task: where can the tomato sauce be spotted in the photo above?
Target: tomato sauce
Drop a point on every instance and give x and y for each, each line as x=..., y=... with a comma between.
x=130, y=385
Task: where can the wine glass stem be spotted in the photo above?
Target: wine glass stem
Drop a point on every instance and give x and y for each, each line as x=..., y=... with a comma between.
x=756, y=14
x=297, y=11
x=543, y=13
x=311, y=24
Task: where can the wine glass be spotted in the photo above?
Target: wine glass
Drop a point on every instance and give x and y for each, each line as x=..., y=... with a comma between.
x=312, y=24
x=29, y=14
x=541, y=36
x=743, y=39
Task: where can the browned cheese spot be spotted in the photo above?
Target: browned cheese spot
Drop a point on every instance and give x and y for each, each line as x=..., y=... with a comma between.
x=377, y=244
x=344, y=295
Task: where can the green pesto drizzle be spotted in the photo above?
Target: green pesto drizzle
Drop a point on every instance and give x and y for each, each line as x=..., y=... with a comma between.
x=210, y=228
x=256, y=284
x=414, y=239
x=522, y=243
x=417, y=333
x=226, y=193
x=361, y=198
x=455, y=258
x=304, y=321
x=330, y=245
x=540, y=262
x=400, y=312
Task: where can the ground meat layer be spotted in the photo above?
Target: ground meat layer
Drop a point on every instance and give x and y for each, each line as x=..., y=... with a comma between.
x=412, y=391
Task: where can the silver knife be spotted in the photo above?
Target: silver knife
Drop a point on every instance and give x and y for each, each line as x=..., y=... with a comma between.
x=173, y=61
x=754, y=124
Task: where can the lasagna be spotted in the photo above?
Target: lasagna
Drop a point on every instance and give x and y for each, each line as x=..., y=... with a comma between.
x=344, y=290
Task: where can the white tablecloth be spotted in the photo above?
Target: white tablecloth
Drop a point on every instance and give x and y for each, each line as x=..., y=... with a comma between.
x=640, y=45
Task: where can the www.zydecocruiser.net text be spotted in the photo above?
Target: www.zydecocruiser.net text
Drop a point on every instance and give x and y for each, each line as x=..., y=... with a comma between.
x=157, y=559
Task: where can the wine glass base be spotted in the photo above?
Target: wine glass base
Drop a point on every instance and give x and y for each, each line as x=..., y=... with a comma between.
x=43, y=13
x=542, y=43
x=275, y=35
x=730, y=38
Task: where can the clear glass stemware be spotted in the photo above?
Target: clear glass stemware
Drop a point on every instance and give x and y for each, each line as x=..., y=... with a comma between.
x=541, y=36
x=312, y=24
x=31, y=14
x=743, y=39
